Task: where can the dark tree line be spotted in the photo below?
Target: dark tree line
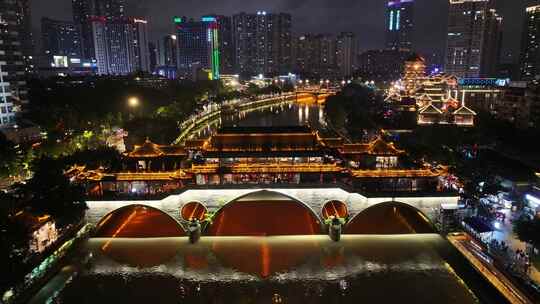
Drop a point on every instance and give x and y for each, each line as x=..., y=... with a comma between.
x=355, y=109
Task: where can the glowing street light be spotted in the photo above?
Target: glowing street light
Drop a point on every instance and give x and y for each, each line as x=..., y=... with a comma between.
x=133, y=102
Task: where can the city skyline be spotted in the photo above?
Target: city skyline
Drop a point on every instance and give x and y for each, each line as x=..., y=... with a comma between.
x=313, y=16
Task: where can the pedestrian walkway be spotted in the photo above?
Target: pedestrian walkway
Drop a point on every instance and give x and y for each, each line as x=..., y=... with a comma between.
x=58, y=282
x=506, y=234
x=483, y=264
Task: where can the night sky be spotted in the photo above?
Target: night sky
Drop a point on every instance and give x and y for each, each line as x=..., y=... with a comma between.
x=364, y=17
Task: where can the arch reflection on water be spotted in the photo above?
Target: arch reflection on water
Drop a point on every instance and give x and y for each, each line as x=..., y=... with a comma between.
x=396, y=262
x=138, y=221
x=264, y=213
x=125, y=227
x=390, y=218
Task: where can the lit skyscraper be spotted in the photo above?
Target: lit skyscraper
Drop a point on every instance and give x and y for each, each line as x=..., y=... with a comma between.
x=168, y=51
x=530, y=49
x=346, y=52
x=13, y=55
x=60, y=38
x=85, y=10
x=138, y=44
x=226, y=48
x=24, y=25
x=315, y=55
x=474, y=39
x=262, y=43
x=198, y=46
x=400, y=21
x=153, y=54
x=121, y=45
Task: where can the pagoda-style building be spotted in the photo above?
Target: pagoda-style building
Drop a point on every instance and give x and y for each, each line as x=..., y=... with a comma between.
x=261, y=156
x=414, y=74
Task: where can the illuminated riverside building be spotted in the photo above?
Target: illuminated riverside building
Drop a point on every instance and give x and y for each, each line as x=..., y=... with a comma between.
x=414, y=74
x=439, y=99
x=439, y=102
x=264, y=156
x=482, y=94
x=400, y=15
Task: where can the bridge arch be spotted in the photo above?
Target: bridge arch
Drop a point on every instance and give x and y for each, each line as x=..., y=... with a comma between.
x=193, y=210
x=334, y=208
x=138, y=221
x=264, y=213
x=390, y=218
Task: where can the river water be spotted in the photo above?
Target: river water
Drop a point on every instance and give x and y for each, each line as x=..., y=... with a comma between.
x=308, y=112
x=420, y=268
x=408, y=268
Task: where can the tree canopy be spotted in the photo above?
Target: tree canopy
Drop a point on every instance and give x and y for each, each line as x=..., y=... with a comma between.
x=528, y=230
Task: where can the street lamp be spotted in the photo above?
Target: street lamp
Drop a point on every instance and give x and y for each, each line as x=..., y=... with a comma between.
x=133, y=102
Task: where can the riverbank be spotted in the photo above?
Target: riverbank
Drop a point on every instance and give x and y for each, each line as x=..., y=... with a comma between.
x=34, y=280
x=202, y=120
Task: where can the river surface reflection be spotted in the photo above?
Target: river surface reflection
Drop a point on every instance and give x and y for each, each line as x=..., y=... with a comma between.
x=284, y=269
x=279, y=115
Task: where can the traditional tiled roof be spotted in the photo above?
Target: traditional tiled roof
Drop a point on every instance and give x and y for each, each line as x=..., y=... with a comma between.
x=172, y=150
x=150, y=149
x=263, y=141
x=393, y=96
x=332, y=142
x=430, y=109
x=452, y=101
x=424, y=97
x=381, y=147
x=464, y=111
x=376, y=147
x=416, y=57
x=30, y=220
x=194, y=144
x=354, y=148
